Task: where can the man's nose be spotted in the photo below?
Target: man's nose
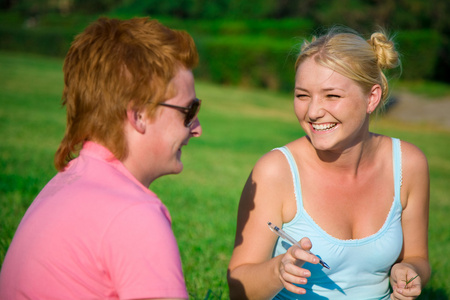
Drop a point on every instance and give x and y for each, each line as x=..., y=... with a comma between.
x=196, y=128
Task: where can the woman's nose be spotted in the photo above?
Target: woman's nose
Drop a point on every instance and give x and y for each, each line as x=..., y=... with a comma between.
x=316, y=109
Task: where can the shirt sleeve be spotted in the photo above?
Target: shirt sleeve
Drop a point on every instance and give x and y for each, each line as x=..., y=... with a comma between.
x=141, y=254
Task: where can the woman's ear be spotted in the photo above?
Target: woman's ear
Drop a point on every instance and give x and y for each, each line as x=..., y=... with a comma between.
x=136, y=119
x=374, y=98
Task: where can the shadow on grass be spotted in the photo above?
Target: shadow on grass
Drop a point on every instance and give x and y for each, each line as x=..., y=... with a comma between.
x=210, y=295
x=433, y=294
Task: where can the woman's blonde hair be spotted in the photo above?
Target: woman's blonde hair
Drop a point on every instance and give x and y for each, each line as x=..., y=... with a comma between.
x=113, y=64
x=348, y=53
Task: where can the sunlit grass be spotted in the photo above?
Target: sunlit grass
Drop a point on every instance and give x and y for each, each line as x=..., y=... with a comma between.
x=239, y=126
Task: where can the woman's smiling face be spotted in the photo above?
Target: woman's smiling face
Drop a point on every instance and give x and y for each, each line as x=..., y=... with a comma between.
x=331, y=108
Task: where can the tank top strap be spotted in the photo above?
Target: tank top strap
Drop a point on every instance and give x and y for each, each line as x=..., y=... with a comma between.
x=295, y=175
x=397, y=166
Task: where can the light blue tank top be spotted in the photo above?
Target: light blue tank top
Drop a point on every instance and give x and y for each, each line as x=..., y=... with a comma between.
x=360, y=267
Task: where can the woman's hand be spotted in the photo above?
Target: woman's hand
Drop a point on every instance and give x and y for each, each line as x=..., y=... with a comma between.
x=291, y=271
x=405, y=282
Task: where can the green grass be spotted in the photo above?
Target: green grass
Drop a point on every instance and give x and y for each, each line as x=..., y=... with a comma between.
x=239, y=126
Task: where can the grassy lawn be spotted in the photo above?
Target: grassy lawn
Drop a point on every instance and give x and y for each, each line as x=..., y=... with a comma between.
x=239, y=126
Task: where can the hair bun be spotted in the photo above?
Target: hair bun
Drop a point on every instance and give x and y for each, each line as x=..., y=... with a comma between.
x=385, y=51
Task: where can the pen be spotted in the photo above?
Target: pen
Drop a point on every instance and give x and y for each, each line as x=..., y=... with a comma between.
x=290, y=239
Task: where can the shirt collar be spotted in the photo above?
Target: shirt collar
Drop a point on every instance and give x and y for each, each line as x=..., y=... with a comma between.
x=100, y=152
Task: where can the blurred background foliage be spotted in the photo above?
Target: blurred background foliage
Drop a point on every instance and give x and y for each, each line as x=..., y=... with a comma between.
x=249, y=43
x=246, y=43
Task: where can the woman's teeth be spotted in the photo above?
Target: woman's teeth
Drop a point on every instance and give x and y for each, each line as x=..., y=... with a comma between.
x=323, y=127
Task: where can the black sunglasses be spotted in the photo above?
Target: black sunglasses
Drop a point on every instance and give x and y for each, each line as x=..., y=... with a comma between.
x=191, y=111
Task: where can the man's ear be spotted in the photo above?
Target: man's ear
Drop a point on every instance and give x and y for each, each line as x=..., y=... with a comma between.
x=374, y=98
x=136, y=119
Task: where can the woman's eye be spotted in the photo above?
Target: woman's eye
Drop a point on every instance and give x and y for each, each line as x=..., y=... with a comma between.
x=333, y=96
x=301, y=96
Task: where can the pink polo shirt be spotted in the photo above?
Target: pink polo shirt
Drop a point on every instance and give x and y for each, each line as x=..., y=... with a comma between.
x=94, y=232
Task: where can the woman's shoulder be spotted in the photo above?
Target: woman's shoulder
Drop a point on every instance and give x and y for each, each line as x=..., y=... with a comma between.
x=270, y=163
x=409, y=151
x=414, y=161
x=274, y=164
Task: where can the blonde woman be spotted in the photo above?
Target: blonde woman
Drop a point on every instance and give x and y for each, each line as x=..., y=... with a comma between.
x=356, y=199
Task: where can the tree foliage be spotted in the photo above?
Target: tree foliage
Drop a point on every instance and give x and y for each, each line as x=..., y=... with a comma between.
x=407, y=14
x=362, y=15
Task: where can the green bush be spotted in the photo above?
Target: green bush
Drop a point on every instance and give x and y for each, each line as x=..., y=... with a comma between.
x=247, y=61
x=254, y=53
x=264, y=61
x=283, y=28
x=420, y=52
x=72, y=22
x=52, y=42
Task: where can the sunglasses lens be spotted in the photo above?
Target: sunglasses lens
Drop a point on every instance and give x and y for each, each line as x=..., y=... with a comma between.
x=192, y=113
